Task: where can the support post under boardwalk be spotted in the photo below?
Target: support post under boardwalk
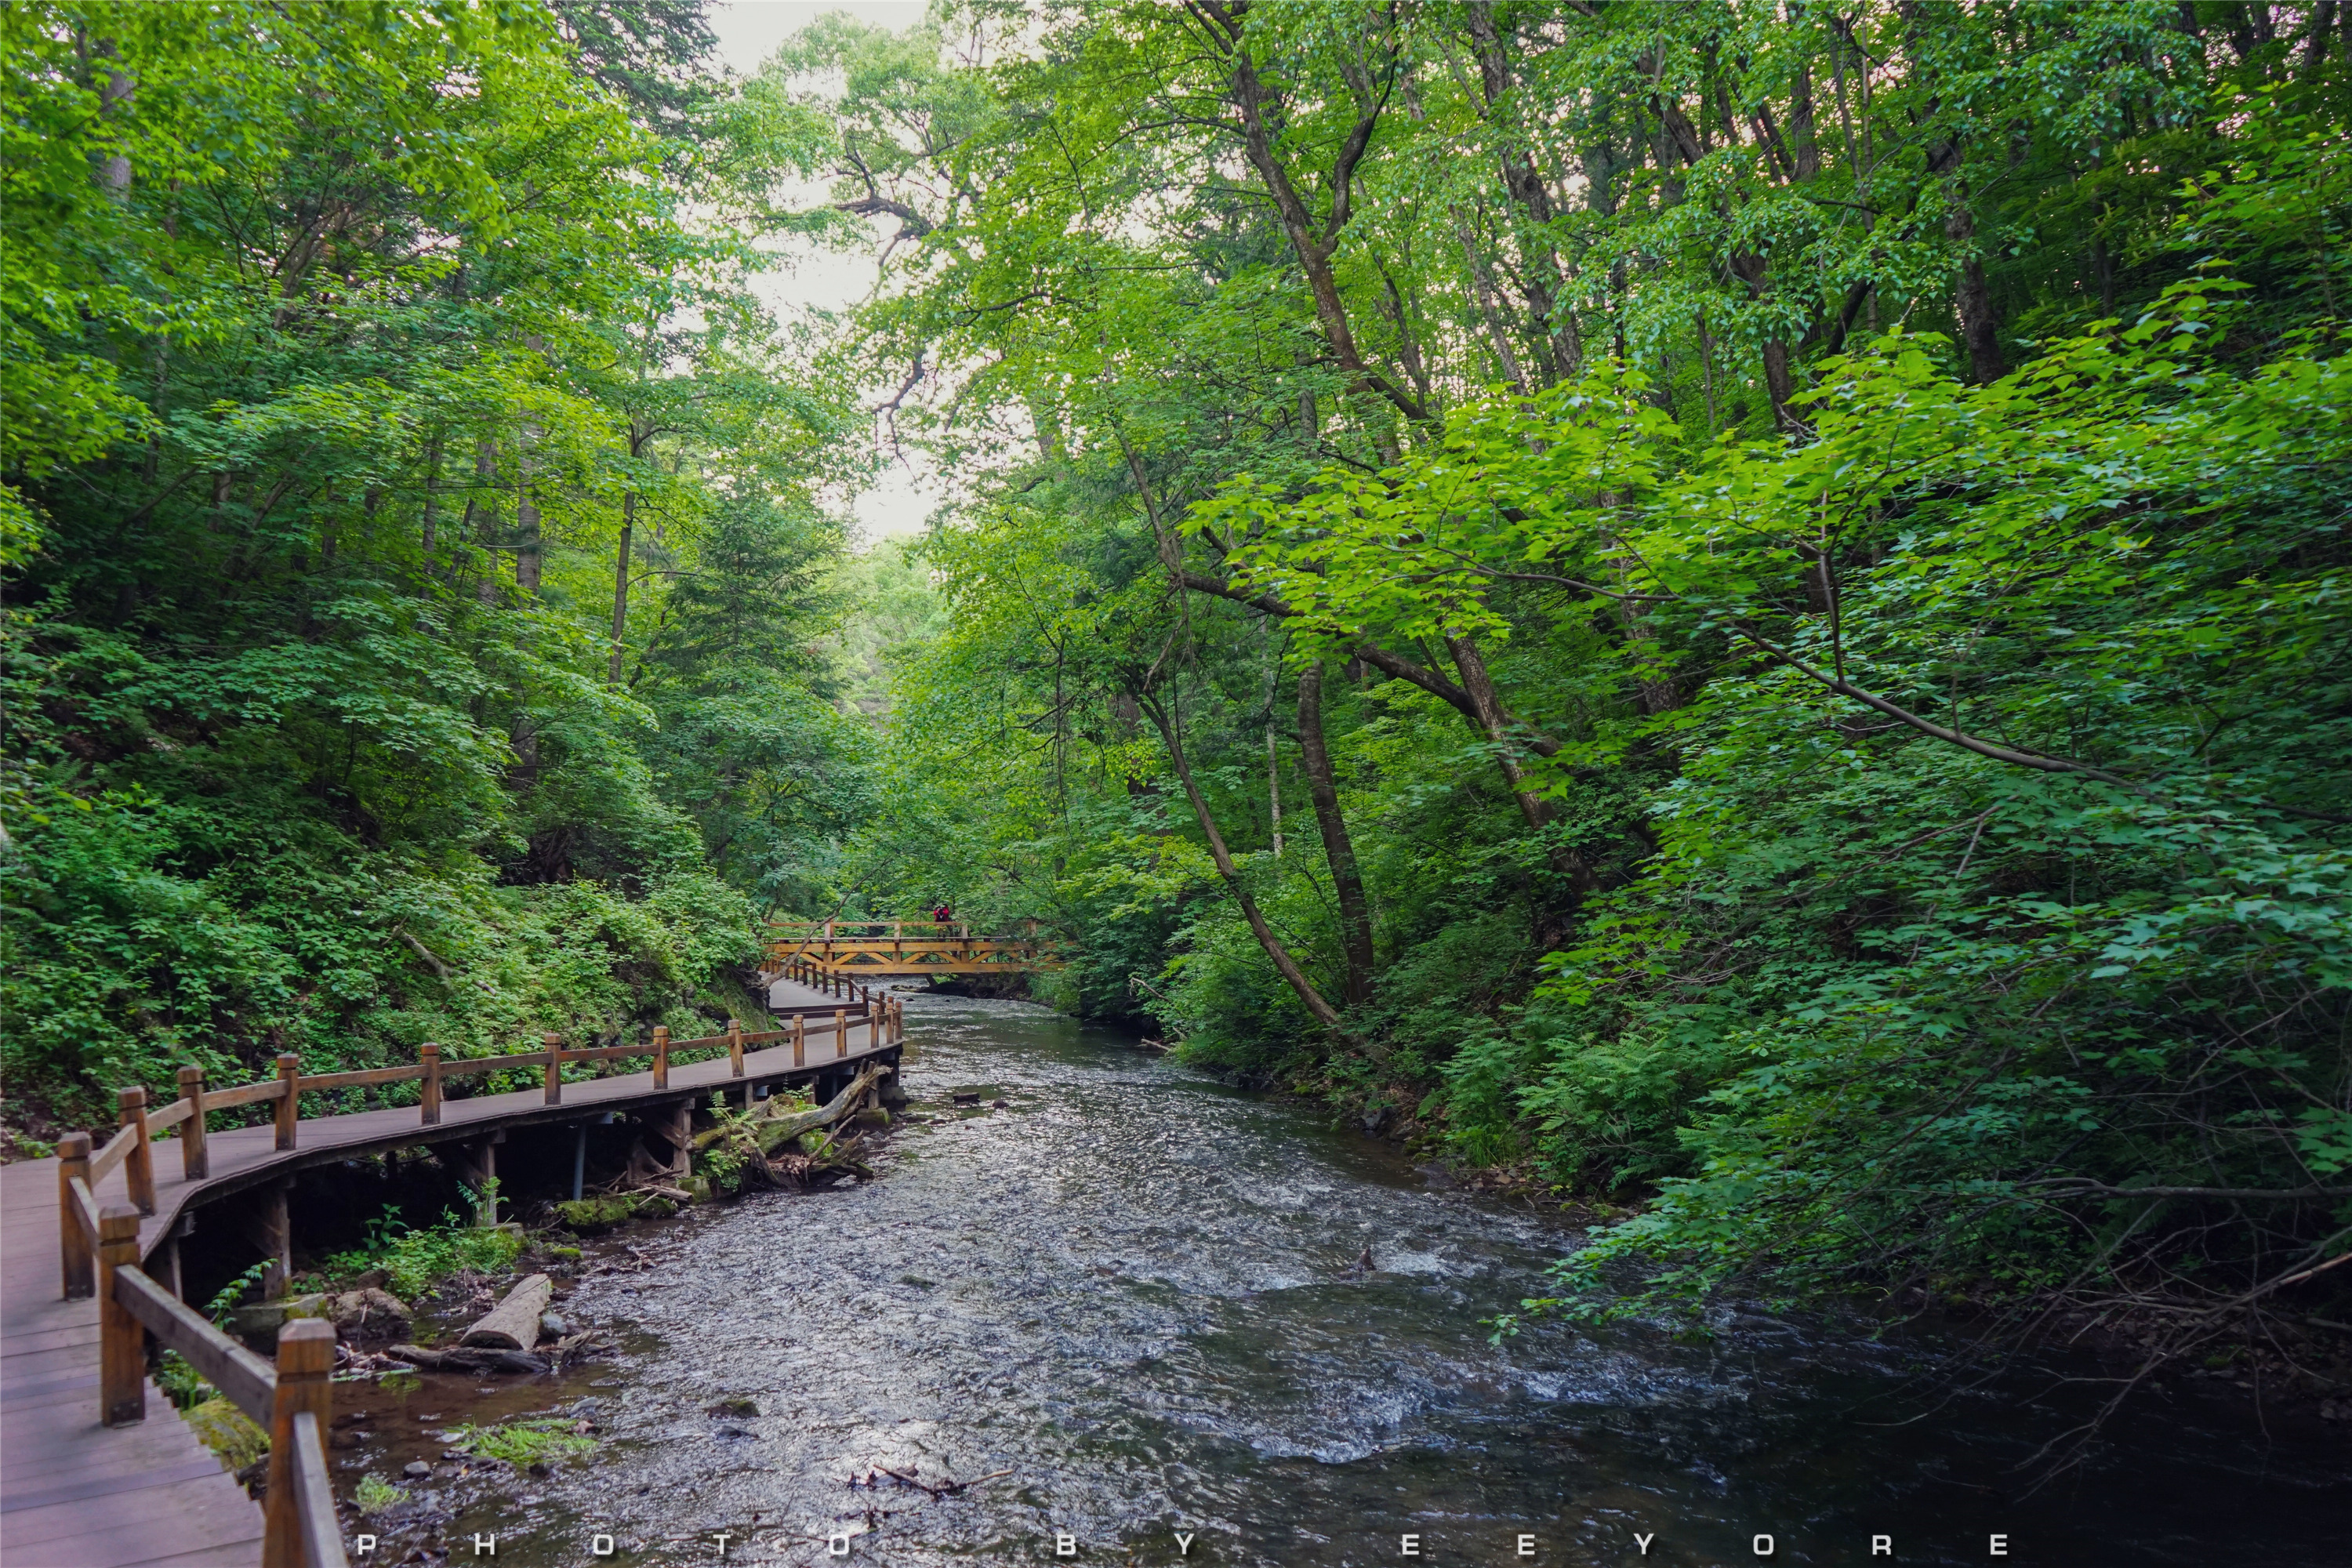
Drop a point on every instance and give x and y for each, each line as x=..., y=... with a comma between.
x=273, y=1233
x=681, y=1139
x=480, y=1171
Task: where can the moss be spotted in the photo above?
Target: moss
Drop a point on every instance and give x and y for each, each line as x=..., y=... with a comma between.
x=222, y=1427
x=597, y=1213
x=523, y=1442
x=375, y=1494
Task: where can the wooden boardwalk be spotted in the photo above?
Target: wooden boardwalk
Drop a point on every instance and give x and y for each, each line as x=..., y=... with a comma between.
x=75, y=1494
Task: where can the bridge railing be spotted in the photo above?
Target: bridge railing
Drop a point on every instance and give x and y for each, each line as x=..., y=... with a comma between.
x=824, y=947
x=293, y=1401
x=131, y=1147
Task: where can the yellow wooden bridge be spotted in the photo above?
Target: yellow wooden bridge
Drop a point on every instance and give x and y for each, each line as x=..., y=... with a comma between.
x=885, y=949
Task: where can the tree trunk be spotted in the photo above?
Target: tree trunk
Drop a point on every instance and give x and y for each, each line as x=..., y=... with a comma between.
x=621, y=587
x=1311, y=241
x=1339, y=850
x=1325, y=1013
x=486, y=480
x=1491, y=720
x=1971, y=295
x=525, y=515
x=1558, y=353
x=1274, y=792
x=431, y=497
x=114, y=173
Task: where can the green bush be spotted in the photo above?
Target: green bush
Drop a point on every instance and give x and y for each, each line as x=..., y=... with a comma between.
x=414, y=1260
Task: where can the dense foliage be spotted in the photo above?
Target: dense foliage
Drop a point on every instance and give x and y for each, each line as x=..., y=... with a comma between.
x=416, y=571
x=1740, y=605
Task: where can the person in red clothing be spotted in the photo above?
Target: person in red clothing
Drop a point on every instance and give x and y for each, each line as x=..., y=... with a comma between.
x=944, y=913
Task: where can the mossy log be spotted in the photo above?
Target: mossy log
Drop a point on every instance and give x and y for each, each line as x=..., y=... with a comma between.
x=772, y=1132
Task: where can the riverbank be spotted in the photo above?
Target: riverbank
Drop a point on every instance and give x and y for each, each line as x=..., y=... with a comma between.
x=1131, y=1300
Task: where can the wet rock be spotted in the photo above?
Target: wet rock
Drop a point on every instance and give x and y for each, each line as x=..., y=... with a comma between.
x=564, y=1254
x=967, y=1100
x=735, y=1404
x=368, y=1313
x=264, y=1318
x=551, y=1326
x=416, y=1469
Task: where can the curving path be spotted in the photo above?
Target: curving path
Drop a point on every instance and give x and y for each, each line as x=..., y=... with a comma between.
x=74, y=1494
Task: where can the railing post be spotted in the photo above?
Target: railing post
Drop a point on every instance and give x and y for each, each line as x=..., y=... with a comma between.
x=735, y=1046
x=194, y=1163
x=799, y=1050
x=306, y=1360
x=840, y=1033
x=73, y=1161
x=139, y=1170
x=428, y=1103
x=661, y=1056
x=289, y=1104
x=554, y=1080
x=872, y=1022
x=121, y=1342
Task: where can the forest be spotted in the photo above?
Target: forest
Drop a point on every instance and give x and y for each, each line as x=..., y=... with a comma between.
x=1735, y=613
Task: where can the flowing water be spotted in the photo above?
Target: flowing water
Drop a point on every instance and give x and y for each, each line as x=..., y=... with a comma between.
x=1131, y=1307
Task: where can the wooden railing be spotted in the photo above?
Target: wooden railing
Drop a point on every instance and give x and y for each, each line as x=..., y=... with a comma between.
x=100, y=1248
x=292, y=1400
x=826, y=946
x=140, y=1127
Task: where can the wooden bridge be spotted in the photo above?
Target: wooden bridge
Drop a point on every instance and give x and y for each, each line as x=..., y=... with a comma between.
x=892, y=949
x=99, y=1470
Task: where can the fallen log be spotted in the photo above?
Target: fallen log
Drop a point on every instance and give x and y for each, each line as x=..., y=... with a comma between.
x=771, y=1129
x=513, y=1323
x=465, y=1359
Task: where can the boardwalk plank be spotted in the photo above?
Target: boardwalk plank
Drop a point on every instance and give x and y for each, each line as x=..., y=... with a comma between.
x=210, y=1538
x=160, y=1510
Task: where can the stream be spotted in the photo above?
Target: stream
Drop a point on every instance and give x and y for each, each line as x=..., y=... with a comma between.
x=1127, y=1315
